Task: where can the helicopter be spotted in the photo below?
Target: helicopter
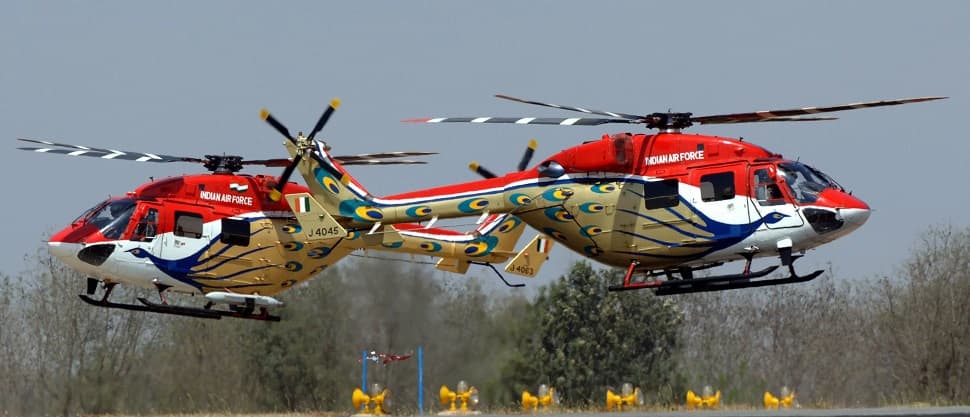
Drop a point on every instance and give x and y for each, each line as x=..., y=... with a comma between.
x=662, y=206
x=232, y=238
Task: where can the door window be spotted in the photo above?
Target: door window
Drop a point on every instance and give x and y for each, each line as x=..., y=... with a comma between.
x=717, y=187
x=235, y=232
x=661, y=194
x=188, y=224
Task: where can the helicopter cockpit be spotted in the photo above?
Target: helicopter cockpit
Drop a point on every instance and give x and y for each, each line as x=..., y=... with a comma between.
x=110, y=217
x=804, y=182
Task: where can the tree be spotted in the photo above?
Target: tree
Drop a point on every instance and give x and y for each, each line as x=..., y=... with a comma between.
x=581, y=339
x=920, y=320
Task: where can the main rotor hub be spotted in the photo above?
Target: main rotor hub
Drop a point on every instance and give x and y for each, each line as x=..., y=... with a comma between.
x=223, y=164
x=668, y=121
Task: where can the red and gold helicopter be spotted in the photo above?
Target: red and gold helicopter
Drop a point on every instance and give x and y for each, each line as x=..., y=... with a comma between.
x=663, y=206
x=229, y=237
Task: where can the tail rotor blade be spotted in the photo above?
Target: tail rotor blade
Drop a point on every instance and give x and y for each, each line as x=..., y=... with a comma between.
x=277, y=192
x=474, y=166
x=265, y=115
x=324, y=117
x=527, y=156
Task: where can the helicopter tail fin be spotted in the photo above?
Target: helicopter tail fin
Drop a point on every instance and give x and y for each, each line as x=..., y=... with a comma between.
x=316, y=222
x=335, y=189
x=531, y=258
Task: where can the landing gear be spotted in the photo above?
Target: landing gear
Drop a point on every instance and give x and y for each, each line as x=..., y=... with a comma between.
x=682, y=281
x=237, y=311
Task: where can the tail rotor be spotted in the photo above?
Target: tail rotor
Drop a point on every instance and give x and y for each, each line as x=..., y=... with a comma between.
x=277, y=193
x=523, y=163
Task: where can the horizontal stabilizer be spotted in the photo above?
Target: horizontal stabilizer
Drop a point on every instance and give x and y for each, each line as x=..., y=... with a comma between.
x=455, y=265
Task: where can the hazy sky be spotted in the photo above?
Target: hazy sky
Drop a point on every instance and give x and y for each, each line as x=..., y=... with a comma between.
x=189, y=78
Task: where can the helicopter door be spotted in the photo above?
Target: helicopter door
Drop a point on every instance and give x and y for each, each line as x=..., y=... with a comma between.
x=187, y=235
x=719, y=198
x=769, y=198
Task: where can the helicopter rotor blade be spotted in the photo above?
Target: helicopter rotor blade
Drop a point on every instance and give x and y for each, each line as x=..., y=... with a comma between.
x=573, y=108
x=567, y=121
x=797, y=119
x=272, y=163
x=103, y=153
x=527, y=155
x=776, y=115
x=265, y=115
x=383, y=162
x=324, y=117
x=380, y=155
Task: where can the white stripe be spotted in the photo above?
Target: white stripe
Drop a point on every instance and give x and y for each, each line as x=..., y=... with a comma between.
x=113, y=155
x=152, y=156
x=480, y=119
x=537, y=181
x=143, y=159
x=77, y=153
x=443, y=238
x=436, y=120
x=570, y=121
x=525, y=120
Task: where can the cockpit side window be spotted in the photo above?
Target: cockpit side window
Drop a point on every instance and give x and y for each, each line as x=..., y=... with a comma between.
x=766, y=190
x=188, y=224
x=147, y=226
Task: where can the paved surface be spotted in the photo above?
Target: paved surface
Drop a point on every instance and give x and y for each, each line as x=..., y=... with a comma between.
x=847, y=412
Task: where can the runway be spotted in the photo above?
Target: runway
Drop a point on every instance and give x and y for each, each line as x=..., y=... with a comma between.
x=842, y=412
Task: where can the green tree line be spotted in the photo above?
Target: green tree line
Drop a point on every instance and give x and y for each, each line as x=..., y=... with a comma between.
x=836, y=341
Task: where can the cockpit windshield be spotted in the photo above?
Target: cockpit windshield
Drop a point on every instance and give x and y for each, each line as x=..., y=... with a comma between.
x=111, y=216
x=805, y=182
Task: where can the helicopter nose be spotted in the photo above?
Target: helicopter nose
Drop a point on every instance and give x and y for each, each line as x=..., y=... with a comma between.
x=853, y=210
x=65, y=251
x=836, y=210
x=855, y=217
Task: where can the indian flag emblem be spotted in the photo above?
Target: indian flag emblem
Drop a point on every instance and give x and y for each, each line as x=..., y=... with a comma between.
x=239, y=188
x=302, y=204
x=542, y=245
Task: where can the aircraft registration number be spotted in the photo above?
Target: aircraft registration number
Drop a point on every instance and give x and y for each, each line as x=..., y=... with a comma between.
x=524, y=270
x=324, y=232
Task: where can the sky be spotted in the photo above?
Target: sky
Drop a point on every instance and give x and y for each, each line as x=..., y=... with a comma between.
x=188, y=78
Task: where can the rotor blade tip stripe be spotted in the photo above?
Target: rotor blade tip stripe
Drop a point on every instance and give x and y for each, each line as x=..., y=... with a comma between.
x=263, y=114
x=335, y=102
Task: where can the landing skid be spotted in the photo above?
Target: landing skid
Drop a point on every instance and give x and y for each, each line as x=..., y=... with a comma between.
x=730, y=282
x=202, y=313
x=242, y=313
x=687, y=284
